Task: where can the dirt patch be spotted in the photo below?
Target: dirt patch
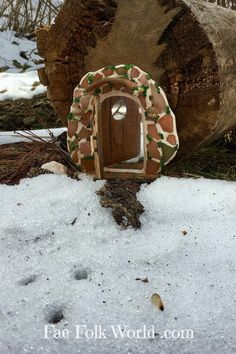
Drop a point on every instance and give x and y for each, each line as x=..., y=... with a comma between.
x=36, y=113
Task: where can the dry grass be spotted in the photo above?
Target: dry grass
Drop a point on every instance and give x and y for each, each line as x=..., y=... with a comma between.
x=16, y=160
x=216, y=161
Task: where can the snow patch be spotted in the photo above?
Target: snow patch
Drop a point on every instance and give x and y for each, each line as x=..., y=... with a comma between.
x=65, y=262
x=23, y=85
x=20, y=61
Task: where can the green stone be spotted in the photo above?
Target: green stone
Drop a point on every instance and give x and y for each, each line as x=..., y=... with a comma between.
x=72, y=145
x=122, y=71
x=163, y=167
x=167, y=151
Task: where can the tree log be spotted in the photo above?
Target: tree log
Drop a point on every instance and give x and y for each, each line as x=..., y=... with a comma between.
x=189, y=46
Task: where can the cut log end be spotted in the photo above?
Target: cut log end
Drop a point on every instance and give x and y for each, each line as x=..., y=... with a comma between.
x=183, y=44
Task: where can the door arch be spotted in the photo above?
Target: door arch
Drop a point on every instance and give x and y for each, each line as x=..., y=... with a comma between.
x=85, y=134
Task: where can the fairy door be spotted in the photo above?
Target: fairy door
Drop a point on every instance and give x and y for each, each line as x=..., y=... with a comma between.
x=120, y=130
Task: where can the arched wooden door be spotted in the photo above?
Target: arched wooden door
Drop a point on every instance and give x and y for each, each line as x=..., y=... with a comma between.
x=120, y=130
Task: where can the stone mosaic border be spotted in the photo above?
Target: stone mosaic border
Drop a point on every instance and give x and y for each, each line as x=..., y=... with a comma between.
x=159, y=127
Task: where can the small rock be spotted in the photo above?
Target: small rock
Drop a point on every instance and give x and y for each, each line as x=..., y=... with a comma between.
x=55, y=167
x=29, y=121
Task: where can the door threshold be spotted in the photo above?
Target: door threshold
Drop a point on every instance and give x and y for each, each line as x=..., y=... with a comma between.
x=120, y=170
x=142, y=177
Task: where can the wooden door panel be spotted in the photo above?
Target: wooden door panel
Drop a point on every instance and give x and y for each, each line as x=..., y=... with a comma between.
x=121, y=138
x=106, y=132
x=131, y=130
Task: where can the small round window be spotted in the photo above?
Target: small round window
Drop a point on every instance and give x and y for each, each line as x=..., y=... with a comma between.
x=119, y=111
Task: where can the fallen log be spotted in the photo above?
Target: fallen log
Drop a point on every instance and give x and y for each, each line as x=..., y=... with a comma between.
x=188, y=46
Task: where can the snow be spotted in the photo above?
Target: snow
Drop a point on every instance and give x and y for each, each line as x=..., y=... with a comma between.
x=24, y=135
x=18, y=80
x=53, y=230
x=10, y=49
x=14, y=86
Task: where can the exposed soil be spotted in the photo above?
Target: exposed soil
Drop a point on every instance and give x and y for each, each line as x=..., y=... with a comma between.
x=36, y=113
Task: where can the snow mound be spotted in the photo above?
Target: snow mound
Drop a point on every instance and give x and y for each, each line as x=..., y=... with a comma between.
x=24, y=85
x=64, y=262
x=19, y=62
x=18, y=53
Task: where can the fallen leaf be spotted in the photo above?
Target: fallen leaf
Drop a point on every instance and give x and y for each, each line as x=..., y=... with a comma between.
x=157, y=301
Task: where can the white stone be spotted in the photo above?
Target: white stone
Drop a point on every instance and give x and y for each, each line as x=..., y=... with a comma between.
x=55, y=167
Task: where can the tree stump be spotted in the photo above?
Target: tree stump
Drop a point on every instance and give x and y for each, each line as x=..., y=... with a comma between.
x=189, y=46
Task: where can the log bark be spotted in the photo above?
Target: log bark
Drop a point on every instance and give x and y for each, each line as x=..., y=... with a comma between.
x=189, y=46
x=121, y=197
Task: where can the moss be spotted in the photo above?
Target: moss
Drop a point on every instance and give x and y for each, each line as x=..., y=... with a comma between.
x=128, y=66
x=135, y=88
x=90, y=78
x=110, y=67
x=97, y=91
x=167, y=110
x=157, y=87
x=145, y=88
x=73, y=145
x=149, y=137
x=70, y=116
